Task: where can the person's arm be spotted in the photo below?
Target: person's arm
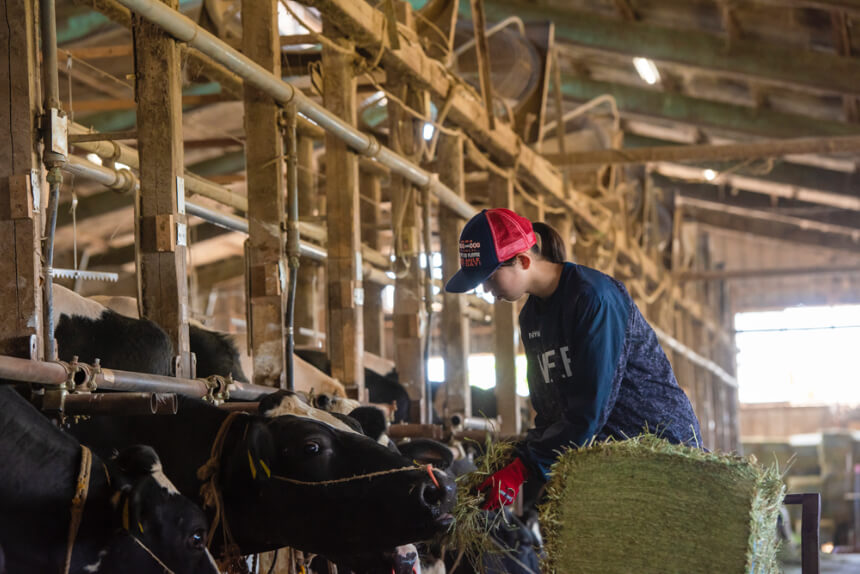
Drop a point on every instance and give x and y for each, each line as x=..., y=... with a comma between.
x=595, y=341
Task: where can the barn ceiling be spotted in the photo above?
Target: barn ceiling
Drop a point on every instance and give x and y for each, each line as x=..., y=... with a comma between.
x=729, y=71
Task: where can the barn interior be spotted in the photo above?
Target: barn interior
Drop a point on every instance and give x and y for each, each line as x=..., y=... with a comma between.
x=298, y=172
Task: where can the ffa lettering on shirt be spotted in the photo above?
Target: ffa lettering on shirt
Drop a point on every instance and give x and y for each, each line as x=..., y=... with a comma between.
x=470, y=253
x=555, y=364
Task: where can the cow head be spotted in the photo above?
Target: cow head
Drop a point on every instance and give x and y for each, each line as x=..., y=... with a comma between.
x=330, y=491
x=160, y=528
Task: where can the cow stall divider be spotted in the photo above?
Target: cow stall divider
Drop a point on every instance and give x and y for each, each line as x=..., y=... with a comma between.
x=68, y=381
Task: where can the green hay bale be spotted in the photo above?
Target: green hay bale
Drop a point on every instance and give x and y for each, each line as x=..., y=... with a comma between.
x=645, y=505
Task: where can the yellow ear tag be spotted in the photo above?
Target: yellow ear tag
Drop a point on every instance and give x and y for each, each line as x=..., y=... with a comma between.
x=251, y=464
x=265, y=468
x=139, y=525
x=125, y=515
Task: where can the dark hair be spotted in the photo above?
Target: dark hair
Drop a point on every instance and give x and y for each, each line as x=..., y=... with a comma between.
x=550, y=245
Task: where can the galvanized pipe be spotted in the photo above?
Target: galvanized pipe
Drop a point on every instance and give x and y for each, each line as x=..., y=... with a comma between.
x=48, y=16
x=185, y=30
x=293, y=239
x=120, y=404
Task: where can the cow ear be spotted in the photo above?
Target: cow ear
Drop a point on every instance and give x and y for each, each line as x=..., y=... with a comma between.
x=426, y=451
x=259, y=451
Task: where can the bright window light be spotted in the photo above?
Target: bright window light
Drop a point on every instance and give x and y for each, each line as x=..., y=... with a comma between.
x=120, y=166
x=709, y=174
x=94, y=158
x=481, y=371
x=647, y=70
x=287, y=25
x=428, y=131
x=800, y=355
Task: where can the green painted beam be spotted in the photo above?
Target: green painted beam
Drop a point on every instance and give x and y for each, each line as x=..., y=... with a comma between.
x=705, y=113
x=757, y=60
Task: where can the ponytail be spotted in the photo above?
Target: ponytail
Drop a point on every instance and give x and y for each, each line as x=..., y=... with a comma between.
x=550, y=245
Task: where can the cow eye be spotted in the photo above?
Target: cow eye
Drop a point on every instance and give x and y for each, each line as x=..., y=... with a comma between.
x=197, y=540
x=312, y=447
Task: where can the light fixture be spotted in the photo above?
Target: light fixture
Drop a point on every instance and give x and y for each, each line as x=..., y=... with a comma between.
x=94, y=158
x=428, y=131
x=647, y=70
x=709, y=174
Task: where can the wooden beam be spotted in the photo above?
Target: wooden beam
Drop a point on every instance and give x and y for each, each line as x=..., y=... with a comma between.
x=482, y=52
x=719, y=152
x=633, y=102
x=741, y=274
x=309, y=298
x=162, y=243
x=403, y=138
x=264, y=146
x=505, y=330
x=101, y=52
x=343, y=267
x=370, y=187
x=21, y=174
x=748, y=59
x=763, y=186
x=769, y=224
x=455, y=323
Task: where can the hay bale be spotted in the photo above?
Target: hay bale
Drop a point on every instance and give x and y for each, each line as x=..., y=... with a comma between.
x=645, y=505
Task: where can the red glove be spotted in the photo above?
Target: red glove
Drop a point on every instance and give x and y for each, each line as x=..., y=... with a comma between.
x=504, y=485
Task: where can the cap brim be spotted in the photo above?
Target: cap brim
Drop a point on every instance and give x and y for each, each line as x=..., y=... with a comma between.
x=467, y=279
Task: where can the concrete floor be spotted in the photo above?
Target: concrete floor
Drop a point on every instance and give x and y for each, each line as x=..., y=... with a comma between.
x=830, y=564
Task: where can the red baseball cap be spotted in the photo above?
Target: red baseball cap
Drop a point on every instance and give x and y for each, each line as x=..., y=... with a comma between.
x=488, y=240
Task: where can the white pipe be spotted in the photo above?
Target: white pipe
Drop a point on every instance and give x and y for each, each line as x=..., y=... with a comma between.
x=185, y=30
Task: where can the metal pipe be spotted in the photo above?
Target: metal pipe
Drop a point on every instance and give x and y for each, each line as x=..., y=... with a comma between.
x=117, y=380
x=249, y=392
x=120, y=404
x=490, y=31
x=416, y=430
x=293, y=238
x=474, y=423
x=242, y=407
x=28, y=371
x=48, y=15
x=121, y=180
x=55, y=179
x=186, y=30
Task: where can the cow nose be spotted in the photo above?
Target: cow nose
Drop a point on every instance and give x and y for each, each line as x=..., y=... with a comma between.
x=437, y=493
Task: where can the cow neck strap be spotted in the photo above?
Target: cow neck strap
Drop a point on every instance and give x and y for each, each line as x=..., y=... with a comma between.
x=82, y=488
x=211, y=490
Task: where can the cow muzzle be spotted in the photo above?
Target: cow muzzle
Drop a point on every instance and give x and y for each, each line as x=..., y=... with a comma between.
x=438, y=493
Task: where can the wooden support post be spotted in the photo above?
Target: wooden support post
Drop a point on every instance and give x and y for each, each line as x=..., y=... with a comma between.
x=308, y=297
x=21, y=178
x=482, y=51
x=505, y=328
x=163, y=229
x=264, y=148
x=370, y=187
x=404, y=137
x=455, y=322
x=345, y=290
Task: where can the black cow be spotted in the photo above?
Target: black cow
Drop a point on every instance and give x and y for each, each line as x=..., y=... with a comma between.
x=382, y=388
x=133, y=519
x=275, y=474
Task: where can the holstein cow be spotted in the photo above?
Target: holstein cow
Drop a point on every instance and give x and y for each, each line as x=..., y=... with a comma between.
x=382, y=387
x=289, y=480
x=130, y=517
x=108, y=327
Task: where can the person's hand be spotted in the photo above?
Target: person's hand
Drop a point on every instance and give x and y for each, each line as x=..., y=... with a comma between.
x=503, y=486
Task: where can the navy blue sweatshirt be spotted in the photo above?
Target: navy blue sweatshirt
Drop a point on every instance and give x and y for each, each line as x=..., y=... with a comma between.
x=596, y=369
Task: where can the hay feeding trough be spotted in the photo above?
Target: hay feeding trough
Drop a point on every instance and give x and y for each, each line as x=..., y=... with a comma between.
x=645, y=505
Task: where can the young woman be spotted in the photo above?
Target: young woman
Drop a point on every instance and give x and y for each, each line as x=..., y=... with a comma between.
x=595, y=368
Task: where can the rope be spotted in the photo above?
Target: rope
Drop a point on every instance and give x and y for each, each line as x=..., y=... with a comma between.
x=210, y=490
x=367, y=476
x=151, y=553
x=78, y=501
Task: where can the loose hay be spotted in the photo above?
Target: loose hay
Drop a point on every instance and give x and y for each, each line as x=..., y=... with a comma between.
x=469, y=533
x=645, y=505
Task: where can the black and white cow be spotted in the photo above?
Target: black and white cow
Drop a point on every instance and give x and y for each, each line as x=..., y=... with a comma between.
x=108, y=328
x=279, y=475
x=382, y=388
x=133, y=519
